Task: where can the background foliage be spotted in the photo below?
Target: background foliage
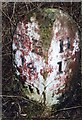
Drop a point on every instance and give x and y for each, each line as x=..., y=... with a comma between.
x=16, y=105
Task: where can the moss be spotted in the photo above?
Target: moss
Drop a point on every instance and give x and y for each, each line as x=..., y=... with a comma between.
x=46, y=23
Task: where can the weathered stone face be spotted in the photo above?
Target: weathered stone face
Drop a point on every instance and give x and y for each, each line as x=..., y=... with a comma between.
x=46, y=64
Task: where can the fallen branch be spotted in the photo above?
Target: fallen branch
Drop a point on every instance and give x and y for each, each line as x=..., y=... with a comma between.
x=65, y=109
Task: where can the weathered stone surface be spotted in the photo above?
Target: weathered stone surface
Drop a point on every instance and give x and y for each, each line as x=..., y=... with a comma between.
x=46, y=48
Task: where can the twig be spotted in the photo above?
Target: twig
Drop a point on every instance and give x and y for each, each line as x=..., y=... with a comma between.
x=12, y=96
x=65, y=109
x=7, y=17
x=13, y=9
x=53, y=118
x=26, y=6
